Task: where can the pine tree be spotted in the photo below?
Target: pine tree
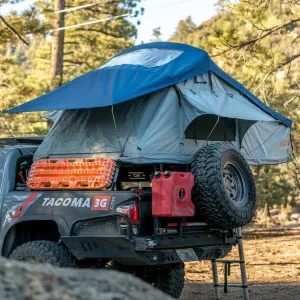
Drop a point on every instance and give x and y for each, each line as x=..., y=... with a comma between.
x=15, y=26
x=156, y=33
x=183, y=30
x=89, y=46
x=16, y=29
x=15, y=88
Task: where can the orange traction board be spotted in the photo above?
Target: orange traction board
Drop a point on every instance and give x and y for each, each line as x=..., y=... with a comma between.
x=71, y=174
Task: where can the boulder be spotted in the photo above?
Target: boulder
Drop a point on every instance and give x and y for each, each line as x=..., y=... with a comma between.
x=41, y=282
x=295, y=216
x=274, y=211
x=275, y=218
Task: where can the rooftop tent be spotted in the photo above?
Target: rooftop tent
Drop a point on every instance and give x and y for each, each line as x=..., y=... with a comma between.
x=170, y=125
x=180, y=100
x=135, y=72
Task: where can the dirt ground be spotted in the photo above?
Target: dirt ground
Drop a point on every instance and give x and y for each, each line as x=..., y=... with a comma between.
x=273, y=270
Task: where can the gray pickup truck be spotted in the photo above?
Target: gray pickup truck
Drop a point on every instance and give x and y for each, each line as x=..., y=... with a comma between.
x=63, y=228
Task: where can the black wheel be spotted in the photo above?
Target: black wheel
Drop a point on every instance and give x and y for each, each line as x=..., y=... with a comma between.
x=40, y=252
x=169, y=278
x=224, y=192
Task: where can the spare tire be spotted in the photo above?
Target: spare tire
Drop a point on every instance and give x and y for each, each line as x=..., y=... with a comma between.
x=224, y=193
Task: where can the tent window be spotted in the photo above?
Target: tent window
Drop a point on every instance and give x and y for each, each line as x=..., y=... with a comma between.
x=200, y=128
x=149, y=58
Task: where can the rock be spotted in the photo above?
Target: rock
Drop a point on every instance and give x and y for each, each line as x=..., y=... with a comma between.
x=275, y=217
x=274, y=211
x=41, y=282
x=295, y=216
x=294, y=210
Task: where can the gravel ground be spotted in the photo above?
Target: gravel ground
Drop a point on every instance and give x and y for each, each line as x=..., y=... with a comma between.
x=273, y=270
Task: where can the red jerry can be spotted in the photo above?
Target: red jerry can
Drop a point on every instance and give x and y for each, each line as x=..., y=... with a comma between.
x=171, y=194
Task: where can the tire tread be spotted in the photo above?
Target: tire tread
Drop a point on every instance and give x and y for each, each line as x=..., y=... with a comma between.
x=44, y=252
x=209, y=195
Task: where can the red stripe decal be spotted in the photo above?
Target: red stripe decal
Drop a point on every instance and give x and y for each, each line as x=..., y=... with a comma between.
x=23, y=205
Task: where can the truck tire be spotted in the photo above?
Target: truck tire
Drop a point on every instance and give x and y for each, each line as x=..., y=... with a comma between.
x=167, y=278
x=41, y=252
x=224, y=193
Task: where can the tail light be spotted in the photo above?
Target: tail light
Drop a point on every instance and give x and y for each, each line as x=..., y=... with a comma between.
x=130, y=210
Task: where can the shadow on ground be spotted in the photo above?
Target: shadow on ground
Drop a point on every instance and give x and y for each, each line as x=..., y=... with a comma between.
x=273, y=269
x=257, y=291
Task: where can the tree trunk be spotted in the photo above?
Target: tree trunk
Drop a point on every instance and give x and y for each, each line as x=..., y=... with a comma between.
x=56, y=71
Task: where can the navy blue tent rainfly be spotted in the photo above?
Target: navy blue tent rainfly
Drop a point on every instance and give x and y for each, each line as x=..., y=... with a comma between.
x=131, y=74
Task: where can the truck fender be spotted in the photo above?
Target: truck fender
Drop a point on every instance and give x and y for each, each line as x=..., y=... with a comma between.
x=7, y=239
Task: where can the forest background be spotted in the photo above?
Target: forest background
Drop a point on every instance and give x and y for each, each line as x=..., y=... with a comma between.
x=256, y=41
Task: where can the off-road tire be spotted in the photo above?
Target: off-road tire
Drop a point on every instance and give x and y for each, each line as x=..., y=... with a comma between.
x=211, y=193
x=168, y=278
x=41, y=252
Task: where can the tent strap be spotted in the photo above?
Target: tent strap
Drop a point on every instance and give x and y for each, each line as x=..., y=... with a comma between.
x=116, y=128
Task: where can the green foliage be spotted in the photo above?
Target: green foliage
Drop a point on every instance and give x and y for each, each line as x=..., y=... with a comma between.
x=90, y=46
x=16, y=69
x=183, y=29
x=25, y=23
x=15, y=88
x=275, y=186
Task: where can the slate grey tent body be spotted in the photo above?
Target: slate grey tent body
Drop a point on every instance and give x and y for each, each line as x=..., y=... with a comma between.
x=170, y=125
x=159, y=103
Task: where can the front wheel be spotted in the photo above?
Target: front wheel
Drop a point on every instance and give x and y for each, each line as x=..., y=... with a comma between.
x=42, y=252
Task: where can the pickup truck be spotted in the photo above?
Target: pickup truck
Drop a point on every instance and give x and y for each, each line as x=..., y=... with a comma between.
x=111, y=228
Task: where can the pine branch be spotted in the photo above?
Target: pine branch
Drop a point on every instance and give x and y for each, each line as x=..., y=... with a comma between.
x=14, y=31
x=289, y=60
x=290, y=100
x=278, y=67
x=77, y=63
x=261, y=36
x=291, y=2
x=98, y=31
x=71, y=43
x=263, y=81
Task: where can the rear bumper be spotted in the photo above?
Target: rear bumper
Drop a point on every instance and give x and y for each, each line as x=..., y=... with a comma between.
x=145, y=250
